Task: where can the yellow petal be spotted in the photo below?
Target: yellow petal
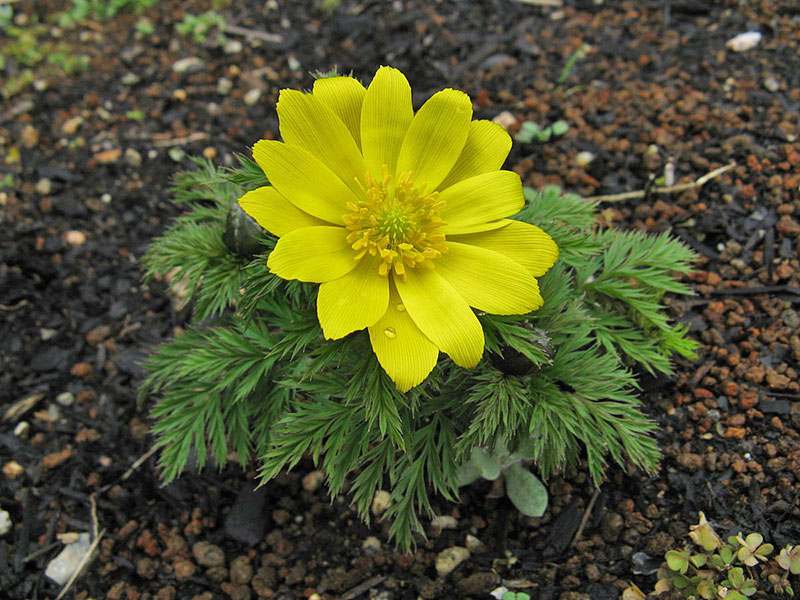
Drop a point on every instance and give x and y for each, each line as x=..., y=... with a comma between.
x=274, y=212
x=436, y=137
x=480, y=199
x=402, y=349
x=354, y=301
x=385, y=117
x=442, y=315
x=488, y=280
x=312, y=254
x=304, y=180
x=486, y=149
x=306, y=122
x=521, y=242
x=344, y=96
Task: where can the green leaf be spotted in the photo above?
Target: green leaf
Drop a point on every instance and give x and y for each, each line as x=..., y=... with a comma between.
x=525, y=491
x=677, y=560
x=487, y=465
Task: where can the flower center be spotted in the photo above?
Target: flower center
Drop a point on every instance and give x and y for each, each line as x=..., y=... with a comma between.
x=397, y=221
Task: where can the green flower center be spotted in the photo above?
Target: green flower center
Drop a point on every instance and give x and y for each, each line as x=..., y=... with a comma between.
x=397, y=221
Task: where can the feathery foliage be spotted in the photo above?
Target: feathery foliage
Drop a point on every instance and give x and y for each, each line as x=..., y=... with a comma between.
x=253, y=375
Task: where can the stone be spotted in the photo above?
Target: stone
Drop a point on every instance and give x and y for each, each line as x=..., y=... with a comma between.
x=247, y=520
x=133, y=158
x=65, y=398
x=381, y=502
x=506, y=120
x=252, y=96
x=440, y=522
x=371, y=546
x=29, y=136
x=44, y=186
x=241, y=571
x=5, y=522
x=70, y=126
x=63, y=566
x=188, y=65
x=74, y=238
x=224, y=85
x=13, y=469
x=313, y=480
x=208, y=555
x=233, y=47
x=447, y=560
x=744, y=41
x=130, y=79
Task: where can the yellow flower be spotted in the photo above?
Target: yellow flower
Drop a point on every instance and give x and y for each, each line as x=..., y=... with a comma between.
x=400, y=217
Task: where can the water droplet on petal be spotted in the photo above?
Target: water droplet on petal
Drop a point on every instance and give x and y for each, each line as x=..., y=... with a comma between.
x=390, y=333
x=401, y=307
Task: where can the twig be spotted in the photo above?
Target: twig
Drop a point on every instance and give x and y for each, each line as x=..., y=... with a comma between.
x=272, y=38
x=681, y=187
x=179, y=141
x=16, y=306
x=363, y=587
x=585, y=518
x=759, y=289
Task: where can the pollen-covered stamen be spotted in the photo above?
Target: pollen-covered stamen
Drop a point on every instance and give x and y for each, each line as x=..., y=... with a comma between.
x=396, y=221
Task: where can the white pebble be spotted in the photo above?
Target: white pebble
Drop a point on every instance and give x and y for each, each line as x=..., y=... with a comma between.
x=585, y=158
x=74, y=238
x=252, y=96
x=506, y=120
x=381, y=502
x=5, y=522
x=313, y=480
x=22, y=428
x=444, y=522
x=744, y=41
x=447, y=560
x=65, y=398
x=62, y=567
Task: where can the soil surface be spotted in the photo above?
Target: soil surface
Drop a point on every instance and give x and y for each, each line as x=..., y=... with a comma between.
x=87, y=157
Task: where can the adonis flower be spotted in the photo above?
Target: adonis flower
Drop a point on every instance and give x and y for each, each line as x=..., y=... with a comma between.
x=401, y=218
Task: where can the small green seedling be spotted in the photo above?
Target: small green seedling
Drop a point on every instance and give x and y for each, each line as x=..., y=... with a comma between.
x=199, y=27
x=515, y=596
x=526, y=492
x=530, y=131
x=729, y=571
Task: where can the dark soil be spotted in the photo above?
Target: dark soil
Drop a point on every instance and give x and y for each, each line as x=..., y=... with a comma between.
x=91, y=190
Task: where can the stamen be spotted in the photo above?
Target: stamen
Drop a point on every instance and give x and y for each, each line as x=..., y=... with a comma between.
x=396, y=221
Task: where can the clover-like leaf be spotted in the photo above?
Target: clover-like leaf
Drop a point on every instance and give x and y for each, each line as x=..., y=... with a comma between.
x=748, y=587
x=706, y=589
x=678, y=561
x=752, y=550
x=698, y=560
x=789, y=559
x=704, y=535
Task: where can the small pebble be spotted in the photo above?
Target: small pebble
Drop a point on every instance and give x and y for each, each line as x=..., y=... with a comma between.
x=133, y=158
x=224, y=85
x=44, y=186
x=444, y=522
x=21, y=429
x=210, y=152
x=293, y=63
x=105, y=198
x=381, y=502
x=70, y=126
x=252, y=96
x=75, y=238
x=447, y=560
x=30, y=136
x=188, y=65
x=772, y=84
x=13, y=469
x=371, y=546
x=233, y=47
x=585, y=158
x=313, y=480
x=744, y=41
x=65, y=398
x=5, y=522
x=472, y=543
x=506, y=120
x=130, y=79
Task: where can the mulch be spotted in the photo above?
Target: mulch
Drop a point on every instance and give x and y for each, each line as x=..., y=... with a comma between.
x=657, y=91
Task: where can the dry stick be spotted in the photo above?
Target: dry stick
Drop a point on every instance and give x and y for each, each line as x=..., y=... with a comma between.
x=585, y=518
x=363, y=587
x=273, y=38
x=179, y=141
x=681, y=187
